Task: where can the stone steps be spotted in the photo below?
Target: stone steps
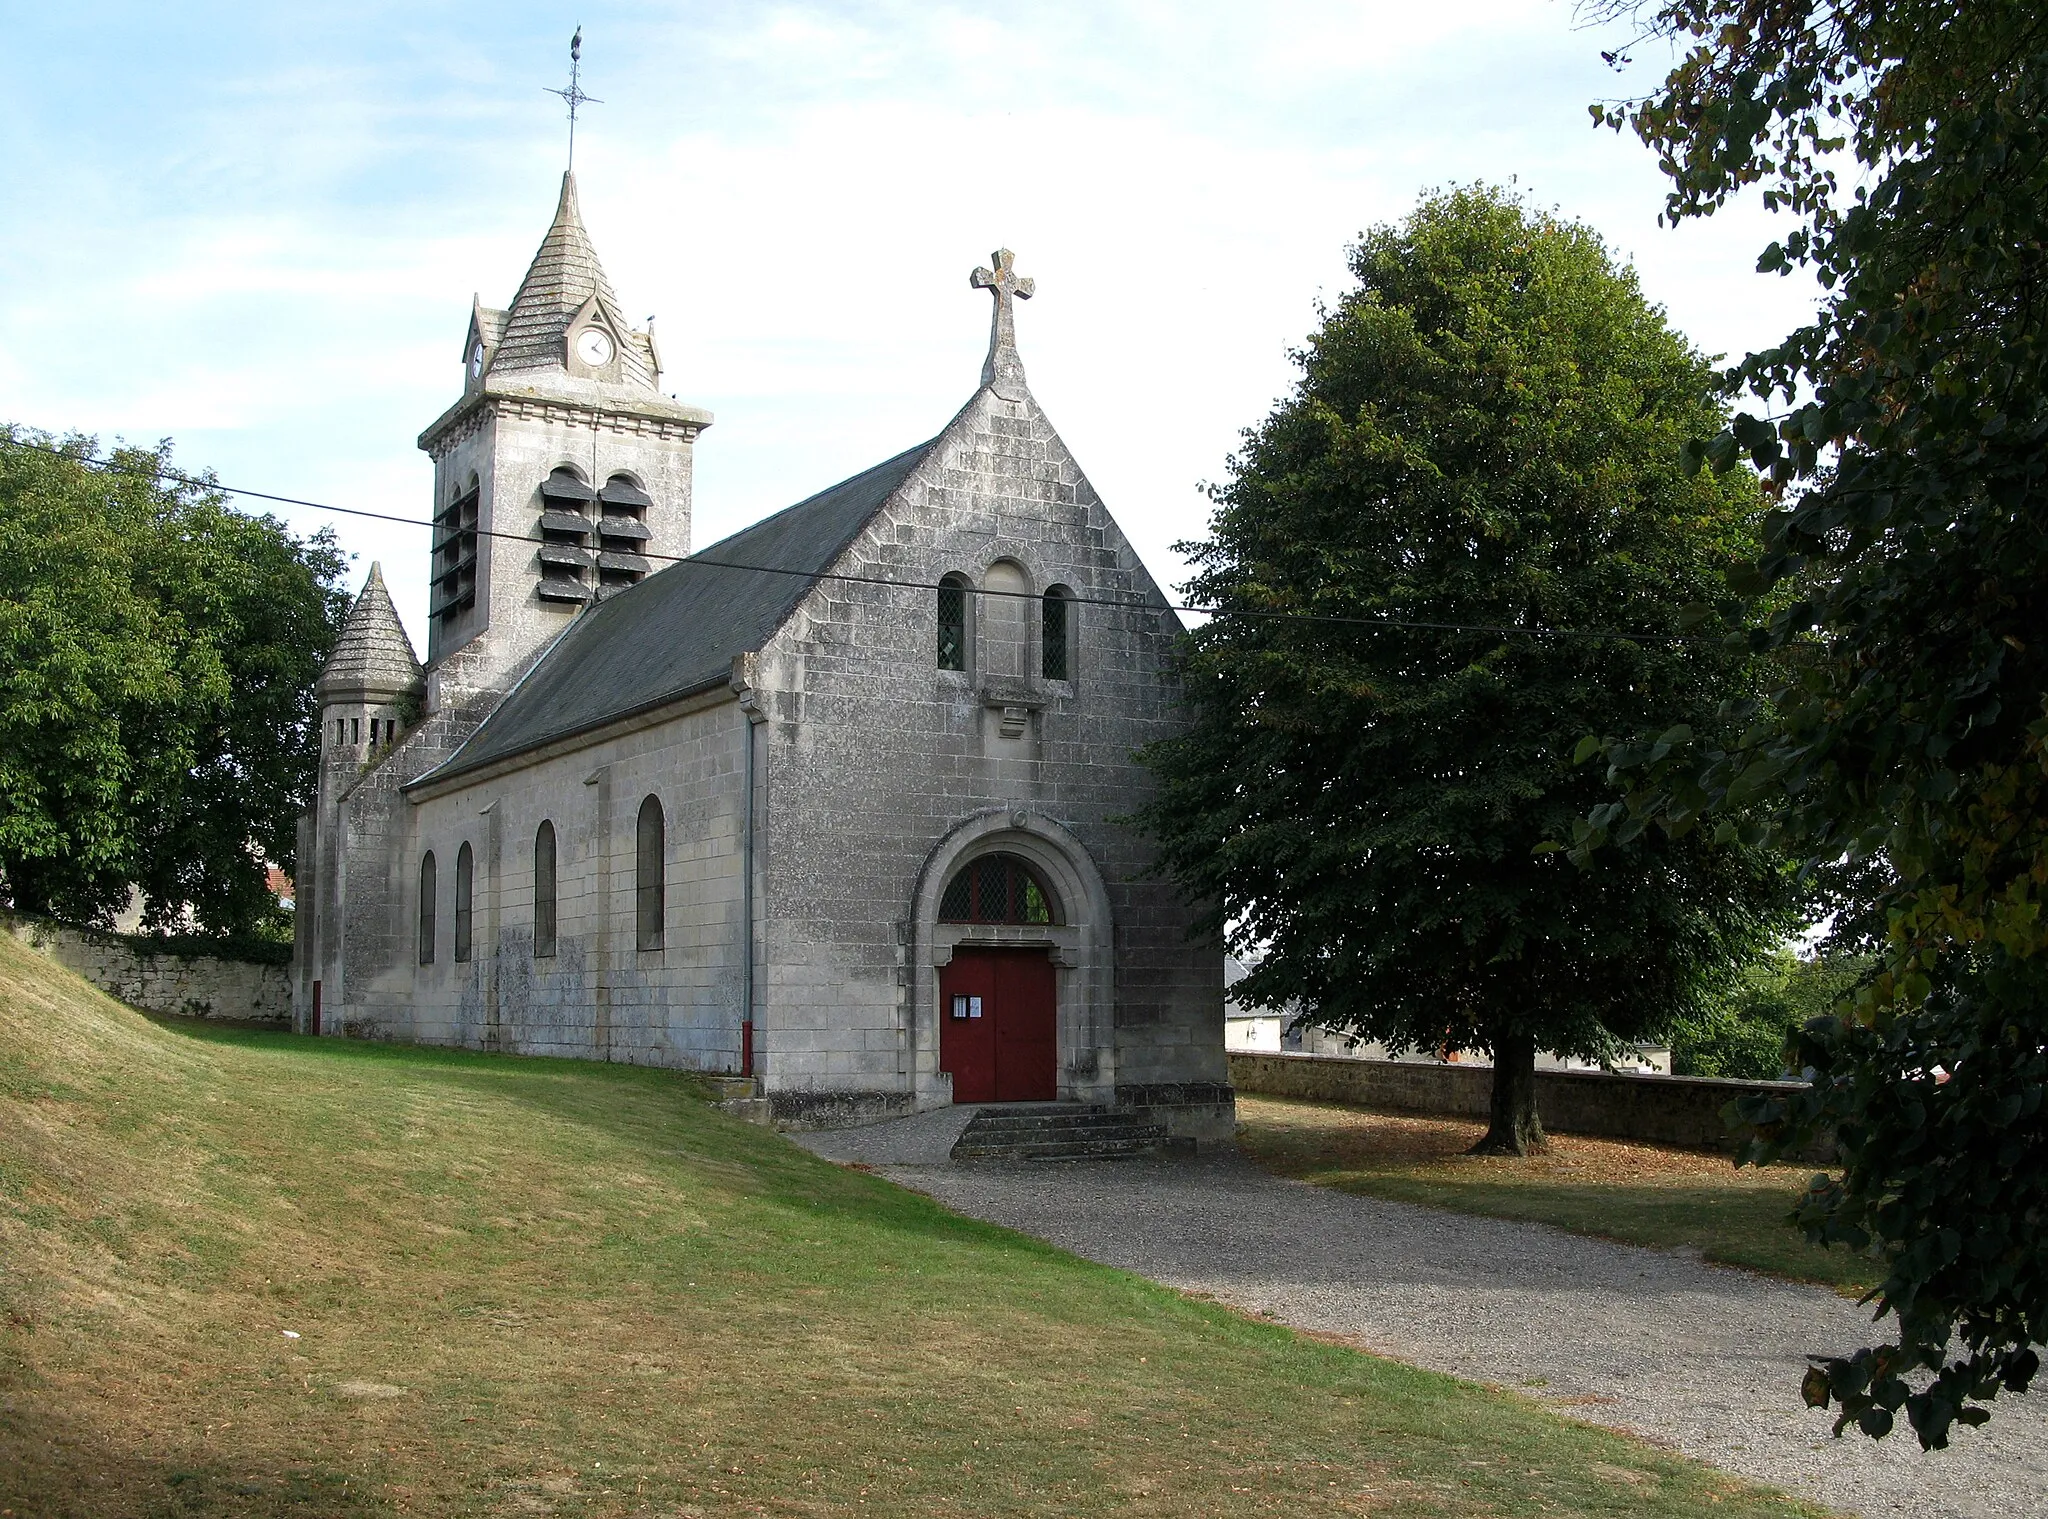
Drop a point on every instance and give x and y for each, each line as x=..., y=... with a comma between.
x=1058, y=1132
x=741, y=1097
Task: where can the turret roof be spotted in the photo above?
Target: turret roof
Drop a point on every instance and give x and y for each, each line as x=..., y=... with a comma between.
x=372, y=658
x=564, y=275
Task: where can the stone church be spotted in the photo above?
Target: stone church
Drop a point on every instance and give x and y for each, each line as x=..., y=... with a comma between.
x=833, y=803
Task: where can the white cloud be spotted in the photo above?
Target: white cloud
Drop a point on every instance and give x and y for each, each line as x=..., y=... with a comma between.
x=278, y=268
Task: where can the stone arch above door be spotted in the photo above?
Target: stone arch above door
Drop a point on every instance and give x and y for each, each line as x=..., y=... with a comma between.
x=1082, y=948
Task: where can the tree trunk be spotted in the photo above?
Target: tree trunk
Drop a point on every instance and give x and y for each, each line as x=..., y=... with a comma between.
x=1513, y=1128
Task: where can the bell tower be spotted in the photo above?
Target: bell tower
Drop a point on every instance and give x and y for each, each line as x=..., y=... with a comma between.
x=558, y=476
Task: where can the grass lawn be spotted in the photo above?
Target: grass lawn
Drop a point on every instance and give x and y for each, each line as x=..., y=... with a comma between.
x=252, y=1274
x=1640, y=1194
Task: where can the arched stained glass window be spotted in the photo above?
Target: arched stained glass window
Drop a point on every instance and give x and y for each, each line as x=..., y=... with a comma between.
x=544, y=891
x=649, y=900
x=997, y=888
x=1055, y=634
x=428, y=887
x=465, y=875
x=953, y=622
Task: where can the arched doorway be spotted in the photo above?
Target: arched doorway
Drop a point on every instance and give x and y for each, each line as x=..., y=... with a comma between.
x=998, y=1007
x=1063, y=934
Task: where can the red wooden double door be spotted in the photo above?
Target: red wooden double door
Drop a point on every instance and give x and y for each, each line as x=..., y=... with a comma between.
x=998, y=1023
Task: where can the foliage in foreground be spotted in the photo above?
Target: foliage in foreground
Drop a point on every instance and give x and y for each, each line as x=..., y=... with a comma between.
x=1485, y=443
x=1902, y=583
x=519, y=1285
x=157, y=658
x=1746, y=1033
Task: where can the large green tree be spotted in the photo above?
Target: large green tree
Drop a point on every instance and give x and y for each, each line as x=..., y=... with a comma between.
x=157, y=658
x=1484, y=447
x=1901, y=589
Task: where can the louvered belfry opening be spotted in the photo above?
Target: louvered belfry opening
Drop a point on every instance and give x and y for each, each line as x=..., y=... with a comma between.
x=622, y=534
x=454, y=556
x=997, y=888
x=567, y=565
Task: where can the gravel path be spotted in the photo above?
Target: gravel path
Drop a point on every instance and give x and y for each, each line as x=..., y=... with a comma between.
x=1693, y=1356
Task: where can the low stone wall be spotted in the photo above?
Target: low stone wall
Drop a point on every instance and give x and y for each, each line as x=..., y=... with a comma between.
x=190, y=986
x=1665, y=1110
x=1202, y=1111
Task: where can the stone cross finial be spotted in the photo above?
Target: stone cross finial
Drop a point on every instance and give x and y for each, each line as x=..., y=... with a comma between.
x=1004, y=371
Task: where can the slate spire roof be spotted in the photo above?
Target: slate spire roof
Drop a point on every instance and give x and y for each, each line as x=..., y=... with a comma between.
x=372, y=659
x=563, y=278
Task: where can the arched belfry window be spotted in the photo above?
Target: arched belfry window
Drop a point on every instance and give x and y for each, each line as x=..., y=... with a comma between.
x=454, y=554
x=428, y=887
x=567, y=558
x=997, y=888
x=649, y=900
x=544, y=891
x=1056, y=634
x=953, y=601
x=465, y=876
x=622, y=532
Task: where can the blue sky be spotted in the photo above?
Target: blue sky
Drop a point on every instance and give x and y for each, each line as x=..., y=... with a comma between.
x=256, y=229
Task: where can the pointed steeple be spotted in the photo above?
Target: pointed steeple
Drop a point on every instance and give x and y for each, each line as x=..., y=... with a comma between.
x=373, y=660
x=565, y=288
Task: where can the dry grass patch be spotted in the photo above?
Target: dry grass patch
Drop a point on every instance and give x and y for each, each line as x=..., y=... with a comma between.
x=255, y=1275
x=1636, y=1193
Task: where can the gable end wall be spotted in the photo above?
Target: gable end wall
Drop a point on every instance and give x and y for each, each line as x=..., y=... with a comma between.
x=873, y=756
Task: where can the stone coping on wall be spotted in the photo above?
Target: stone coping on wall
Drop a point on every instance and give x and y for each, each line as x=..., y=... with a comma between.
x=1668, y=1110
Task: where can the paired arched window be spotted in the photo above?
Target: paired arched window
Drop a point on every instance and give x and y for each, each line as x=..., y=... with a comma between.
x=544, y=891
x=1055, y=623
x=997, y=888
x=427, y=890
x=1055, y=634
x=465, y=874
x=953, y=622
x=649, y=899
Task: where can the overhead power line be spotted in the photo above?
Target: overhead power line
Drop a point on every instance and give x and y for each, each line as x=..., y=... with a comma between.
x=1125, y=603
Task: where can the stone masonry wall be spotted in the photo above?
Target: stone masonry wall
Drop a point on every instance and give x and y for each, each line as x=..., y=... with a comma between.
x=873, y=756
x=599, y=996
x=1669, y=1110
x=199, y=986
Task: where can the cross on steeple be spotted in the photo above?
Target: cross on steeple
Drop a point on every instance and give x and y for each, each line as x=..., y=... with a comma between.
x=574, y=94
x=1004, y=371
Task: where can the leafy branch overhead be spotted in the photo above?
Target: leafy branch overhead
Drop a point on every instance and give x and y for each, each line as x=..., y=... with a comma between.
x=157, y=657
x=1904, y=750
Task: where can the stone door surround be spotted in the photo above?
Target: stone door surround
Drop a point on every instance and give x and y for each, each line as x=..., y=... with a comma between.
x=1080, y=948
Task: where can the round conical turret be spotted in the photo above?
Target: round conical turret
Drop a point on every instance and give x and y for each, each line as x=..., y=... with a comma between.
x=373, y=660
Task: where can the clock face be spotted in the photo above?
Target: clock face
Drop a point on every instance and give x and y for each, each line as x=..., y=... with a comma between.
x=593, y=347
x=476, y=362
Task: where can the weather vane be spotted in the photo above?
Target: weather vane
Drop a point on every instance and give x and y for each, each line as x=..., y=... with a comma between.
x=574, y=94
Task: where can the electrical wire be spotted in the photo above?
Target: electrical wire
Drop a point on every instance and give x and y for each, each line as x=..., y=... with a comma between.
x=1124, y=603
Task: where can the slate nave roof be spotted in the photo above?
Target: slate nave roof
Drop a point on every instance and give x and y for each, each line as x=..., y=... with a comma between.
x=677, y=632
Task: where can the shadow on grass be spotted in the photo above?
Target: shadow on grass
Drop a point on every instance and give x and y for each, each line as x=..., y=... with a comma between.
x=676, y=1121
x=54, y=1466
